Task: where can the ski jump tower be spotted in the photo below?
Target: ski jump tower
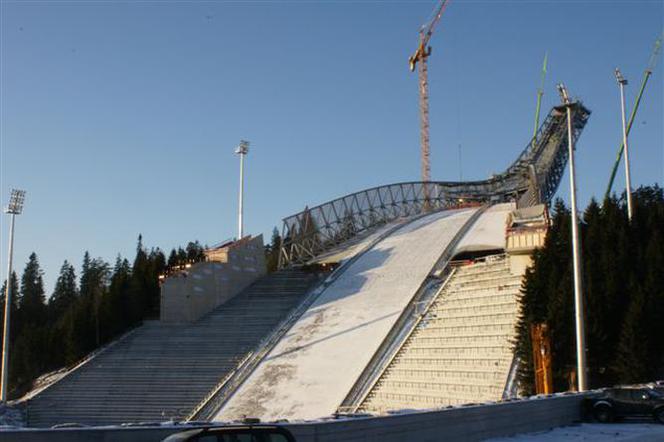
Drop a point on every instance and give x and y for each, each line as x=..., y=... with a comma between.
x=419, y=312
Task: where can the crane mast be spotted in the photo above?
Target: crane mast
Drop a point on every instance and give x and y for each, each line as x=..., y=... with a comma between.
x=540, y=92
x=423, y=78
x=420, y=56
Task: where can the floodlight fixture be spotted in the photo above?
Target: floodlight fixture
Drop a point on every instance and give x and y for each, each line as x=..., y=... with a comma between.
x=564, y=96
x=16, y=201
x=619, y=77
x=243, y=148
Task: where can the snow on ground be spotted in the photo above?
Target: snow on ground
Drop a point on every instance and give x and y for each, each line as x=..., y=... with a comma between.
x=355, y=245
x=632, y=432
x=309, y=372
x=488, y=232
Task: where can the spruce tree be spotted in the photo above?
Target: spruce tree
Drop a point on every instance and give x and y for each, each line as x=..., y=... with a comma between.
x=138, y=284
x=623, y=292
x=65, y=292
x=32, y=301
x=172, y=259
x=29, y=355
x=115, y=304
x=272, y=251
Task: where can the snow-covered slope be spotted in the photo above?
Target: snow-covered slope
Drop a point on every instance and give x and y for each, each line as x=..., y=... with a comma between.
x=309, y=372
x=488, y=232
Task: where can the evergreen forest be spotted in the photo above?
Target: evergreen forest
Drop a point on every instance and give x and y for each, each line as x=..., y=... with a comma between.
x=623, y=290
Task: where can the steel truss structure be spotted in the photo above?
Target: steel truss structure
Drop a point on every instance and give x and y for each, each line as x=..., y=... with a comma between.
x=532, y=179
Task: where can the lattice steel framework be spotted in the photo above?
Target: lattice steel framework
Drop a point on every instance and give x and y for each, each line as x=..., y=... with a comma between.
x=532, y=179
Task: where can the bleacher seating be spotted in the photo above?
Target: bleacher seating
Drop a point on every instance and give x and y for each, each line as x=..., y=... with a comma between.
x=161, y=372
x=461, y=350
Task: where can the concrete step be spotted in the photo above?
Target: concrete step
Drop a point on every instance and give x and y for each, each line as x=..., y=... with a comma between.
x=162, y=372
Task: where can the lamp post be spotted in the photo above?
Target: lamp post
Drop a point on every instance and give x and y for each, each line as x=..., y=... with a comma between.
x=576, y=250
x=242, y=150
x=14, y=208
x=628, y=182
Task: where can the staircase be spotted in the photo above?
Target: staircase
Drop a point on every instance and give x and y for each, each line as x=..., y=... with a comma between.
x=161, y=372
x=461, y=351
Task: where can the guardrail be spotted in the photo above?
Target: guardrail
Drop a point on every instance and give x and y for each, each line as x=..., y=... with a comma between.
x=316, y=230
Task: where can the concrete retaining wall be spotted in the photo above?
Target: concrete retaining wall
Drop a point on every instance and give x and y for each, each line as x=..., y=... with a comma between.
x=471, y=423
x=189, y=294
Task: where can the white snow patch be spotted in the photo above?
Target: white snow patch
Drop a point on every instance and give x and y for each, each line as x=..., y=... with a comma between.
x=348, y=249
x=488, y=232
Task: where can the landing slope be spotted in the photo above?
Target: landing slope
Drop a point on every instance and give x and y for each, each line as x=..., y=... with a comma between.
x=309, y=372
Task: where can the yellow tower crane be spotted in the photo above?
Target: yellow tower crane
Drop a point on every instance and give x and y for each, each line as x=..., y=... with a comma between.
x=420, y=56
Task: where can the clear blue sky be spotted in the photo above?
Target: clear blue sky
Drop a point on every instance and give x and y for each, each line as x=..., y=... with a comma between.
x=120, y=118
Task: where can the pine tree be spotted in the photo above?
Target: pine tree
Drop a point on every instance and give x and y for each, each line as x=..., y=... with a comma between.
x=172, y=259
x=81, y=326
x=182, y=256
x=115, y=304
x=194, y=252
x=65, y=292
x=30, y=356
x=85, y=273
x=272, y=251
x=623, y=292
x=156, y=266
x=138, y=284
x=32, y=302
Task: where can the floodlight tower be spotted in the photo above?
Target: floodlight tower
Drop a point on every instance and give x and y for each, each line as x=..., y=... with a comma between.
x=576, y=250
x=242, y=150
x=628, y=182
x=14, y=208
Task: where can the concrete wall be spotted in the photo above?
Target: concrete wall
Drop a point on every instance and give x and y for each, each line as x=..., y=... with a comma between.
x=188, y=295
x=471, y=423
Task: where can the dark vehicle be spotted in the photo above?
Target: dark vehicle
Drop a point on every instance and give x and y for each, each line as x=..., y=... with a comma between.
x=616, y=403
x=233, y=434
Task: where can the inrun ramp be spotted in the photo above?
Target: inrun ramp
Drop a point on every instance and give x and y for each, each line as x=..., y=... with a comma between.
x=161, y=372
x=309, y=372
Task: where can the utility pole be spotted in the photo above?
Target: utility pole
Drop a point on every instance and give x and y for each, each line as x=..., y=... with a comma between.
x=576, y=249
x=242, y=150
x=628, y=182
x=14, y=208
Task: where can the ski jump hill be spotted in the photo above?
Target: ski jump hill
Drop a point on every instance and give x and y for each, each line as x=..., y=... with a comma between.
x=403, y=296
